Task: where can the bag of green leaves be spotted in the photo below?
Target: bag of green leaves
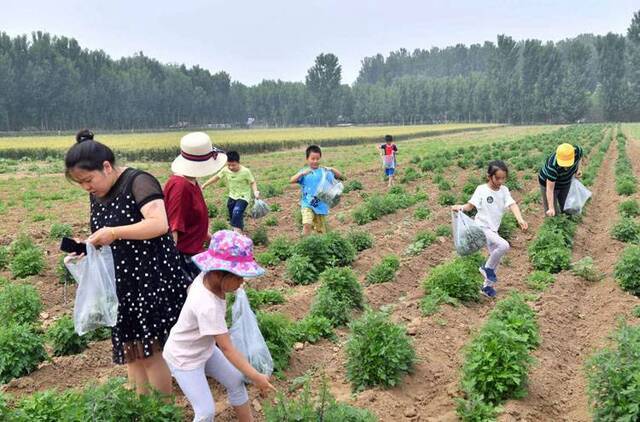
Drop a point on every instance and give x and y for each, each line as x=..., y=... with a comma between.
x=96, y=303
x=246, y=336
x=576, y=198
x=329, y=189
x=259, y=209
x=468, y=238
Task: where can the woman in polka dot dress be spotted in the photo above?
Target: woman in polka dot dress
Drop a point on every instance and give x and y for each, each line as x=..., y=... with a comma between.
x=128, y=213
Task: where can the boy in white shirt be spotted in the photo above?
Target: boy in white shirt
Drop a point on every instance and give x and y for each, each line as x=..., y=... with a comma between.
x=492, y=200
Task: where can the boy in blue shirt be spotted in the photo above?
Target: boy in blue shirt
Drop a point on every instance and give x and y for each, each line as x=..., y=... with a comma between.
x=314, y=211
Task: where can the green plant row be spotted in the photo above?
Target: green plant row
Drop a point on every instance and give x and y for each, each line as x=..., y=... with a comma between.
x=379, y=205
x=626, y=182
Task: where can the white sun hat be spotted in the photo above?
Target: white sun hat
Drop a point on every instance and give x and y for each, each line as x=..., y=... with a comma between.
x=198, y=158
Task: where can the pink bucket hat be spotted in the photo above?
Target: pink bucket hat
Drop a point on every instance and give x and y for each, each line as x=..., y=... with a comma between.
x=229, y=251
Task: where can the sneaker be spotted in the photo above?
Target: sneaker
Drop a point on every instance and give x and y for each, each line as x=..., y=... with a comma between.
x=488, y=274
x=489, y=291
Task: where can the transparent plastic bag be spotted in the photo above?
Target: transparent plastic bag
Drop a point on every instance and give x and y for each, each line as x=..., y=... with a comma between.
x=329, y=191
x=259, y=209
x=246, y=336
x=468, y=238
x=96, y=302
x=576, y=198
x=388, y=161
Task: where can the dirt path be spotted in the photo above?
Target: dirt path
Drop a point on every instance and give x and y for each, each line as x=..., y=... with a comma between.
x=575, y=316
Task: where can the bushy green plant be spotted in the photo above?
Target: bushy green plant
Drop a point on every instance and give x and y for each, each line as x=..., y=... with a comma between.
x=629, y=208
x=379, y=352
x=269, y=191
x=613, y=381
x=360, y=239
x=19, y=303
x=4, y=257
x=636, y=311
x=99, y=334
x=21, y=243
x=518, y=315
x=549, y=252
x=422, y=240
x=27, y=262
x=271, y=221
x=586, y=269
x=476, y=409
x=341, y=251
x=59, y=230
x=275, y=207
x=458, y=278
x=625, y=186
x=21, y=348
x=377, y=206
x=217, y=225
x=446, y=199
x=508, y=226
x=626, y=230
x=267, y=259
x=339, y=294
x=281, y=247
x=443, y=230
x=64, y=276
x=212, y=210
x=409, y=175
x=627, y=270
x=51, y=406
x=260, y=236
x=540, y=280
x=63, y=338
x=301, y=270
x=385, y=271
x=422, y=213
x=312, y=328
x=444, y=185
x=352, y=185
x=278, y=333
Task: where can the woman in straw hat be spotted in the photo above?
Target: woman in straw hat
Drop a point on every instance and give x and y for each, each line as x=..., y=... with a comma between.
x=186, y=207
x=555, y=177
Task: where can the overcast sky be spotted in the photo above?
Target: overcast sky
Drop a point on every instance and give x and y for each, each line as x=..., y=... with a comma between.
x=270, y=39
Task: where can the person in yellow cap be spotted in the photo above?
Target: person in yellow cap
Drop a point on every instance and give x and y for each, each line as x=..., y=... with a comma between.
x=555, y=177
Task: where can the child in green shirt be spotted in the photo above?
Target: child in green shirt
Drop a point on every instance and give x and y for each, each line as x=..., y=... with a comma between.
x=241, y=184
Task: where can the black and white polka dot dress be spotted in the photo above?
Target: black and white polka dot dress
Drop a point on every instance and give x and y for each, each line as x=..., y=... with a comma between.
x=150, y=283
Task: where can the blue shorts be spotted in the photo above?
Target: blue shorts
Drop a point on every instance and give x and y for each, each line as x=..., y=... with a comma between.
x=389, y=172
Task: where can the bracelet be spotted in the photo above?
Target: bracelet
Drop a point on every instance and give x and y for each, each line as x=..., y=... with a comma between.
x=113, y=233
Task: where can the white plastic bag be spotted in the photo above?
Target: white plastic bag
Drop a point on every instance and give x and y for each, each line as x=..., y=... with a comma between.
x=259, y=209
x=389, y=161
x=576, y=198
x=468, y=238
x=246, y=336
x=96, y=302
x=329, y=191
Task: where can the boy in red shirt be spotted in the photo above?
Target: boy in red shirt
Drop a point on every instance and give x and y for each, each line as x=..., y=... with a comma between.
x=388, y=152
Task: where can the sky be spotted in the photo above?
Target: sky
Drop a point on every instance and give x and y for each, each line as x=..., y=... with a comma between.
x=279, y=39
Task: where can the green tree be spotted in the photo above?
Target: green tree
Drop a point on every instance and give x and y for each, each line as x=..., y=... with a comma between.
x=323, y=83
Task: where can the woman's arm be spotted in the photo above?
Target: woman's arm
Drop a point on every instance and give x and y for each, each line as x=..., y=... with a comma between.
x=154, y=224
x=240, y=362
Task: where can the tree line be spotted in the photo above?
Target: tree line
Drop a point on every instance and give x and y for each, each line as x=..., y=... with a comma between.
x=52, y=83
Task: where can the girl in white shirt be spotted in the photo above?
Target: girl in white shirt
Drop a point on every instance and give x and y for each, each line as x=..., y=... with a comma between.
x=492, y=200
x=199, y=343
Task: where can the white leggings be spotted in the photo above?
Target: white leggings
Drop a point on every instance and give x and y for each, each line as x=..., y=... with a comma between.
x=497, y=248
x=195, y=387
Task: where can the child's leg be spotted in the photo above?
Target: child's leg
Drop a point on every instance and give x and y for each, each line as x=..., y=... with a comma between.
x=307, y=221
x=498, y=247
x=230, y=204
x=237, y=214
x=319, y=223
x=219, y=368
x=196, y=389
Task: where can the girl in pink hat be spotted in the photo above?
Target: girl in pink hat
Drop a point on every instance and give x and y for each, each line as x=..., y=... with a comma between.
x=199, y=344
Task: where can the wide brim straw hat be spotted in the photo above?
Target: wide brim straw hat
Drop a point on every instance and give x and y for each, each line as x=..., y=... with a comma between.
x=198, y=157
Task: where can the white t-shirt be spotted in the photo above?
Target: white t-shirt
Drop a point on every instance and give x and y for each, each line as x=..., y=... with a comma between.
x=191, y=341
x=491, y=205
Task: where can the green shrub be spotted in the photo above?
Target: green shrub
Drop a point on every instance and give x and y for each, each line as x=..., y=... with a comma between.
x=385, y=271
x=58, y=231
x=540, y=280
x=626, y=230
x=267, y=259
x=636, y=311
x=409, y=175
x=518, y=315
x=341, y=251
x=629, y=208
x=627, y=270
x=508, y=226
x=51, y=406
x=613, y=381
x=458, y=279
x=277, y=330
x=306, y=409
x=379, y=352
x=625, y=186
x=275, y=207
x=422, y=240
x=300, y=270
x=99, y=334
x=339, y=294
x=4, y=257
x=27, y=262
x=217, y=225
x=443, y=230
x=281, y=247
x=271, y=221
x=360, y=239
x=212, y=210
x=269, y=191
x=476, y=409
x=64, y=276
x=63, y=338
x=549, y=252
x=260, y=236
x=21, y=243
x=422, y=213
x=21, y=350
x=19, y=303
x=312, y=328
x=446, y=199
x=377, y=206
x=586, y=269
x=513, y=183
x=444, y=185
x=352, y=185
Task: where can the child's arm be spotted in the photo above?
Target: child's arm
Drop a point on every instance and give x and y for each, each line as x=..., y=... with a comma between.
x=296, y=177
x=240, y=362
x=214, y=179
x=335, y=172
x=254, y=187
x=550, y=199
x=466, y=207
x=515, y=209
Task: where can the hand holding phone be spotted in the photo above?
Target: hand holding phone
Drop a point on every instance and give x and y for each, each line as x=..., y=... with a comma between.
x=69, y=245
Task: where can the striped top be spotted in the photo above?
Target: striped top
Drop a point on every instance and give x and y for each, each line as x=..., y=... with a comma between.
x=561, y=175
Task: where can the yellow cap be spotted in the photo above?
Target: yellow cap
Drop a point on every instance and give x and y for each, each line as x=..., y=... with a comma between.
x=565, y=155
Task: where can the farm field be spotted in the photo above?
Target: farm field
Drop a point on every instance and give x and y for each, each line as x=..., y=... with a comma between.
x=163, y=145
x=409, y=272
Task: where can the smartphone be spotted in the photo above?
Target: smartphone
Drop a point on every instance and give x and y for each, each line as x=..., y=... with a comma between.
x=69, y=245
